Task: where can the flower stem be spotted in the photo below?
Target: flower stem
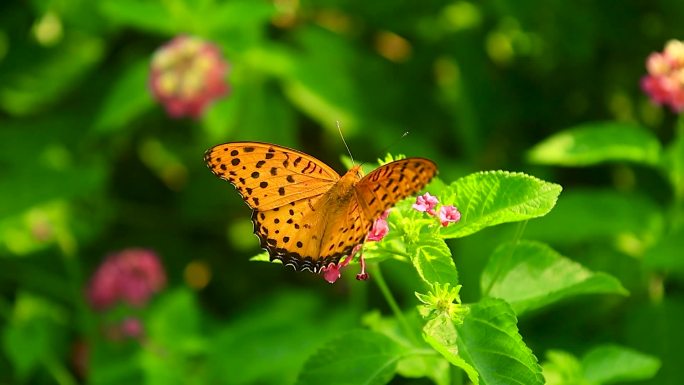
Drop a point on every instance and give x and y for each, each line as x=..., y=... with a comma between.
x=378, y=278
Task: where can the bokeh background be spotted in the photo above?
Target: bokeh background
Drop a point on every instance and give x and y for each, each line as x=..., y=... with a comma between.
x=92, y=165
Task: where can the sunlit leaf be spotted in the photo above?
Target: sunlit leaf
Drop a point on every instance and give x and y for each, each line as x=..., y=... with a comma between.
x=609, y=364
x=530, y=275
x=489, y=340
x=596, y=143
x=432, y=259
x=491, y=198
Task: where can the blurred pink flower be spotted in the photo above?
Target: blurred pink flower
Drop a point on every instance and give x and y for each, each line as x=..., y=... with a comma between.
x=187, y=74
x=380, y=228
x=665, y=80
x=130, y=276
x=448, y=214
x=426, y=203
x=131, y=327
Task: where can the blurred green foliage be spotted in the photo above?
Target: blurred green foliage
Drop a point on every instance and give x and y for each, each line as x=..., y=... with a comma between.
x=90, y=164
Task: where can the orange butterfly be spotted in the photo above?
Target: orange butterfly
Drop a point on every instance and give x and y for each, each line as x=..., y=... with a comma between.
x=305, y=214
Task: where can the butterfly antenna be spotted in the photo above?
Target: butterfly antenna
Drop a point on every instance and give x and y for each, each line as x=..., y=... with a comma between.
x=339, y=129
x=384, y=150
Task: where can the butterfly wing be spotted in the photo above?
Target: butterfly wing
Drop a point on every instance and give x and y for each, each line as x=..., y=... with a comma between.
x=383, y=187
x=284, y=188
x=269, y=176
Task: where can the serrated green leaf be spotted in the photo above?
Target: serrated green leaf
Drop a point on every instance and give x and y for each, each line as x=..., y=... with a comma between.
x=488, y=339
x=612, y=363
x=621, y=214
x=594, y=143
x=356, y=357
x=530, y=275
x=494, y=197
x=440, y=333
x=128, y=98
x=432, y=259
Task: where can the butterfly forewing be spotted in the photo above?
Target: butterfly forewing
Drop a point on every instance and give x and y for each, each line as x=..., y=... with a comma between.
x=269, y=176
x=383, y=187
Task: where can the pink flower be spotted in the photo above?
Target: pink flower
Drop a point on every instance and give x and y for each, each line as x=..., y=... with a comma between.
x=665, y=80
x=380, y=228
x=132, y=327
x=426, y=203
x=130, y=276
x=448, y=214
x=331, y=273
x=186, y=75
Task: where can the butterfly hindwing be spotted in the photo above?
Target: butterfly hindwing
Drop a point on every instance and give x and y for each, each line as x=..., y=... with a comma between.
x=269, y=176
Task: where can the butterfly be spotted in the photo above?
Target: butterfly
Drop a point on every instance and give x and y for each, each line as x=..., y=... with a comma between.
x=305, y=214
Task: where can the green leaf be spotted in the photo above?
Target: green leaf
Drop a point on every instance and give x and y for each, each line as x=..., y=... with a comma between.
x=31, y=338
x=622, y=215
x=440, y=333
x=432, y=259
x=151, y=16
x=309, y=86
x=269, y=341
x=490, y=198
x=36, y=76
x=412, y=366
x=562, y=368
x=673, y=164
x=174, y=321
x=530, y=275
x=667, y=254
x=489, y=340
x=595, y=143
x=356, y=357
x=612, y=363
x=128, y=98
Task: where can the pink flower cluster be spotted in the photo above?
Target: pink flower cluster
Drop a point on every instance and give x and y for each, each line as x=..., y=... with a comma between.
x=130, y=276
x=447, y=214
x=425, y=203
x=665, y=80
x=187, y=74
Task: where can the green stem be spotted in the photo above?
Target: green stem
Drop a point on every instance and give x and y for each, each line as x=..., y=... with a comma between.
x=380, y=281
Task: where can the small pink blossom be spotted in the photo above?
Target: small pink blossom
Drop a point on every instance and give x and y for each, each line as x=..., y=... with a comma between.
x=186, y=75
x=331, y=273
x=665, y=80
x=448, y=214
x=426, y=203
x=380, y=228
x=130, y=276
x=131, y=327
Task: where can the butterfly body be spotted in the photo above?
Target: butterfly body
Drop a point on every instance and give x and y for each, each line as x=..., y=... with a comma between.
x=304, y=213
